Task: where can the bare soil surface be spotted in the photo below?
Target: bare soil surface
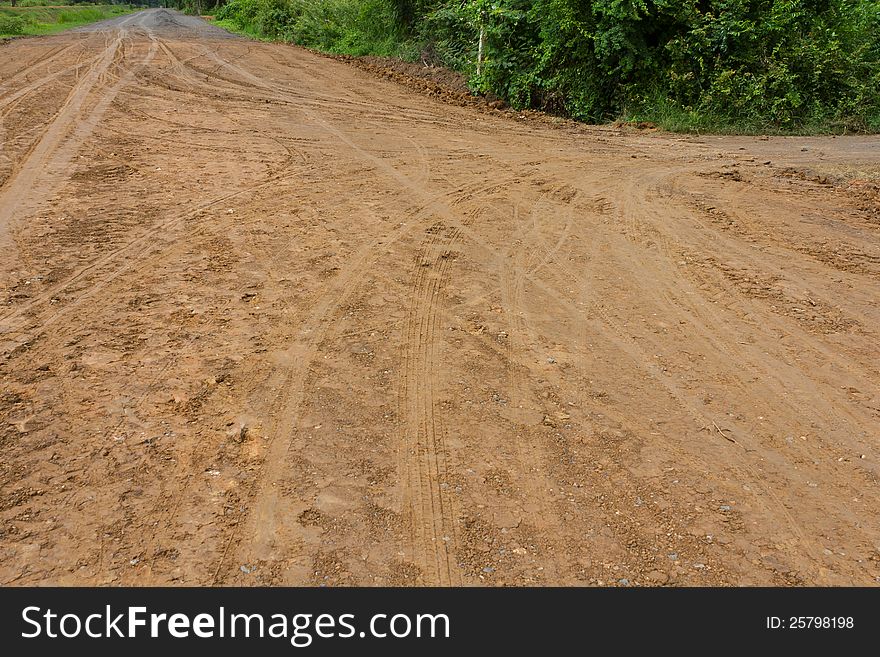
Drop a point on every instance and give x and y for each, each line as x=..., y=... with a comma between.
x=267, y=318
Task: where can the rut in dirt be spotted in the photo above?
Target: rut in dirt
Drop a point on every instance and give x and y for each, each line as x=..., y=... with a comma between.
x=268, y=319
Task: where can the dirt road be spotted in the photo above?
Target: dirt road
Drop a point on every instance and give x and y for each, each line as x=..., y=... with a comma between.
x=268, y=319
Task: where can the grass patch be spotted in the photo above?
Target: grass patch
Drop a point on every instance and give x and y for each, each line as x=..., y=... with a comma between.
x=672, y=117
x=245, y=29
x=39, y=20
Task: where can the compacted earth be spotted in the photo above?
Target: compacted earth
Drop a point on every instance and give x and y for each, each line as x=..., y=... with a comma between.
x=269, y=318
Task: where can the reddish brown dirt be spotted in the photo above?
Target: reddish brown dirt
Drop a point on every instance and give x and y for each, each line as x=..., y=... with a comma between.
x=269, y=319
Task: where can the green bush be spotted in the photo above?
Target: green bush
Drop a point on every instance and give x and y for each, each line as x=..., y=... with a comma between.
x=752, y=65
x=344, y=26
x=11, y=25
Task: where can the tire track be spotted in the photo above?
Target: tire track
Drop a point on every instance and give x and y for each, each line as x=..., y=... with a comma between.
x=446, y=212
x=265, y=519
x=521, y=256
x=260, y=536
x=19, y=94
x=424, y=457
x=528, y=271
x=59, y=142
x=423, y=450
x=48, y=58
x=644, y=362
x=150, y=241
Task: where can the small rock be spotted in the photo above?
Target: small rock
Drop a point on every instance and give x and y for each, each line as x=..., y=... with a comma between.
x=507, y=519
x=658, y=577
x=247, y=570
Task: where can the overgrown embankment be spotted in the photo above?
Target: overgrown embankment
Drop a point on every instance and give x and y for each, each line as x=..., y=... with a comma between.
x=713, y=65
x=36, y=20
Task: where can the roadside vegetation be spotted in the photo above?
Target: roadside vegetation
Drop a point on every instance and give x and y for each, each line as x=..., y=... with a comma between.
x=729, y=66
x=30, y=17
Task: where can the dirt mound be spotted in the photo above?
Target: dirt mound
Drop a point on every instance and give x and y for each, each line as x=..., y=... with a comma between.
x=636, y=125
x=435, y=81
x=447, y=86
x=450, y=87
x=443, y=77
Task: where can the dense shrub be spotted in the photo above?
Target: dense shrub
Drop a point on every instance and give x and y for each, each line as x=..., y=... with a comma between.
x=357, y=27
x=715, y=64
x=11, y=25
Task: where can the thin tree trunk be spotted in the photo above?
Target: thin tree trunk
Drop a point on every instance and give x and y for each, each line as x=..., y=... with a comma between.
x=481, y=48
